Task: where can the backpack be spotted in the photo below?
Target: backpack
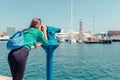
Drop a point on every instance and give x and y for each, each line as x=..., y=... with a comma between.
x=16, y=41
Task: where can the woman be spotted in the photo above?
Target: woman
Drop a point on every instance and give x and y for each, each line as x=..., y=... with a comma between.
x=17, y=58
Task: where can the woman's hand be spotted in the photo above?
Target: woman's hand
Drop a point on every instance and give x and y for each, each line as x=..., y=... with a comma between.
x=37, y=45
x=44, y=29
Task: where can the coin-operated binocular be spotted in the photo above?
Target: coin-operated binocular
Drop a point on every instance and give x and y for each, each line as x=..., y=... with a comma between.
x=52, y=45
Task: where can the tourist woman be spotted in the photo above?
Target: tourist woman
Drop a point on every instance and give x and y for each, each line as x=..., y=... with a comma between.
x=17, y=58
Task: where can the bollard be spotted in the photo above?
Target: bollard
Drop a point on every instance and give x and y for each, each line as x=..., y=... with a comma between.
x=52, y=45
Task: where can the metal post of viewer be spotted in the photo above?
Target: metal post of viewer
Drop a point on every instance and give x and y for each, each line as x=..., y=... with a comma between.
x=53, y=44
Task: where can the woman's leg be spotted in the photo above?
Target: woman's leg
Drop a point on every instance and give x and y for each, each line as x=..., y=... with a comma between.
x=11, y=62
x=17, y=61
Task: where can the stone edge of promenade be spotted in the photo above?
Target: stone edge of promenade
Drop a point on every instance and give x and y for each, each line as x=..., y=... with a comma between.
x=5, y=78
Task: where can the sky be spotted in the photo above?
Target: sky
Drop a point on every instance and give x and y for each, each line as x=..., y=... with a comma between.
x=96, y=15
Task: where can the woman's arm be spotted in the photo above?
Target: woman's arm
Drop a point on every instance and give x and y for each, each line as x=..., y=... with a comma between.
x=42, y=35
x=37, y=45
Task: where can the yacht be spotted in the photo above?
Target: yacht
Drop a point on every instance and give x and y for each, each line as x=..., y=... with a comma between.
x=72, y=40
x=115, y=39
x=5, y=38
x=61, y=37
x=104, y=38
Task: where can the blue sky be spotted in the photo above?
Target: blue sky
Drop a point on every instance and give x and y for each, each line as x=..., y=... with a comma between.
x=19, y=13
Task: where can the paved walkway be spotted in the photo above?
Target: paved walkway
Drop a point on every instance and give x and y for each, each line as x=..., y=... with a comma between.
x=5, y=78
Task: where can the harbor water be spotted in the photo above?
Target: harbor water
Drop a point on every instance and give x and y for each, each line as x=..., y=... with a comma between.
x=71, y=62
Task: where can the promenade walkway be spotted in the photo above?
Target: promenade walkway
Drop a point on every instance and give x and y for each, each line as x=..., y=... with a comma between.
x=5, y=78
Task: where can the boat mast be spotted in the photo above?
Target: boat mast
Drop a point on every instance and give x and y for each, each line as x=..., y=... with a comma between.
x=71, y=15
x=93, y=24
